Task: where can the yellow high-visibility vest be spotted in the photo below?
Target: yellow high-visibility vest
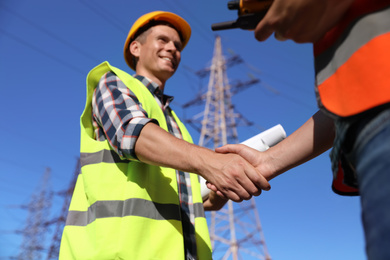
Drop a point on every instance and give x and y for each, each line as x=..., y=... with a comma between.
x=124, y=209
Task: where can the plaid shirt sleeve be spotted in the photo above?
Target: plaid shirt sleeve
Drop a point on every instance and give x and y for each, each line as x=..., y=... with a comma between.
x=118, y=116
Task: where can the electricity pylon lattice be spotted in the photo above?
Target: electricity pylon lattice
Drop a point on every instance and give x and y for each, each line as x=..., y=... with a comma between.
x=235, y=230
x=33, y=240
x=59, y=221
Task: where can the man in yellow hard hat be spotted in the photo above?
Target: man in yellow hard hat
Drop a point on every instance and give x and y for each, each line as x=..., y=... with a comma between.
x=137, y=196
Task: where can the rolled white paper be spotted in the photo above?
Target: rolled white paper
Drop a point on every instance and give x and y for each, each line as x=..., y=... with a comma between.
x=260, y=142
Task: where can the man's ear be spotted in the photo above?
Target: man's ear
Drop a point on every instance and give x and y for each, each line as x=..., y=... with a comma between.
x=135, y=48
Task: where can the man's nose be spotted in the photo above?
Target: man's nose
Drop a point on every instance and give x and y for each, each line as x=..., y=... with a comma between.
x=171, y=46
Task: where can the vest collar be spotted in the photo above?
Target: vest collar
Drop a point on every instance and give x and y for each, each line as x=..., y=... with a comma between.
x=154, y=89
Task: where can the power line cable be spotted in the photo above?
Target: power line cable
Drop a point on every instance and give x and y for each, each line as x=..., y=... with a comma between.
x=261, y=72
x=52, y=35
x=237, y=41
x=197, y=22
x=102, y=13
x=275, y=91
x=209, y=37
x=25, y=43
x=30, y=170
x=34, y=141
x=284, y=82
x=272, y=89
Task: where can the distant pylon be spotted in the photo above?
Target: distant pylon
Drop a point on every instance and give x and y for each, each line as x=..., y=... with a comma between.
x=54, y=248
x=235, y=230
x=35, y=229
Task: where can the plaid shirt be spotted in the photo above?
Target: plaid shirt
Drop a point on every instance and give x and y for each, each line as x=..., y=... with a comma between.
x=119, y=118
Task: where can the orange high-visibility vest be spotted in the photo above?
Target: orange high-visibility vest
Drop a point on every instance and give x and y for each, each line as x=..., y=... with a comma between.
x=352, y=63
x=352, y=60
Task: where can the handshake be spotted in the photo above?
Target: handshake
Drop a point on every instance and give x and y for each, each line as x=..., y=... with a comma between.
x=248, y=150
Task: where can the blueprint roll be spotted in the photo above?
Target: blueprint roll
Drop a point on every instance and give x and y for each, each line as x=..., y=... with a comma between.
x=260, y=142
x=266, y=139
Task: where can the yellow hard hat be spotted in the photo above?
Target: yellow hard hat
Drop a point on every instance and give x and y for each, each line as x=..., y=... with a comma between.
x=179, y=23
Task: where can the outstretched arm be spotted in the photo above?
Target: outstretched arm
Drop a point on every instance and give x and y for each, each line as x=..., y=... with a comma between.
x=234, y=177
x=133, y=135
x=310, y=140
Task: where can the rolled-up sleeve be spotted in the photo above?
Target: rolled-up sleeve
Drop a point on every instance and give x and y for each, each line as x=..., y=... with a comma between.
x=118, y=115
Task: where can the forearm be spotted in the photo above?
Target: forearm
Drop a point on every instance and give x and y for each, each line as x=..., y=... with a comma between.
x=307, y=142
x=235, y=178
x=157, y=147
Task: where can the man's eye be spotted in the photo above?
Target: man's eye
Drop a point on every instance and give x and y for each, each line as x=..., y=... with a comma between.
x=178, y=46
x=162, y=39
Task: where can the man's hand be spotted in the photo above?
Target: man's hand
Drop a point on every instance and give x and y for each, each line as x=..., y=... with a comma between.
x=300, y=20
x=251, y=155
x=313, y=138
x=214, y=202
x=233, y=176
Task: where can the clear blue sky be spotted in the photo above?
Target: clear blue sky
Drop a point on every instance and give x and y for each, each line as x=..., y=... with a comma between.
x=48, y=47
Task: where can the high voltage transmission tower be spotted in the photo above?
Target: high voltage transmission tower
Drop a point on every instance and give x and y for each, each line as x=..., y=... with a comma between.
x=34, y=244
x=35, y=228
x=235, y=230
x=59, y=222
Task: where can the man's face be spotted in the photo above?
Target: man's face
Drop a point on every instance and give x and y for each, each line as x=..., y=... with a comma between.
x=160, y=54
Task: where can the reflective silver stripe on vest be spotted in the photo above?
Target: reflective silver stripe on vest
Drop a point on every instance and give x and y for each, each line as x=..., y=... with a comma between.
x=106, y=156
x=130, y=207
x=352, y=39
